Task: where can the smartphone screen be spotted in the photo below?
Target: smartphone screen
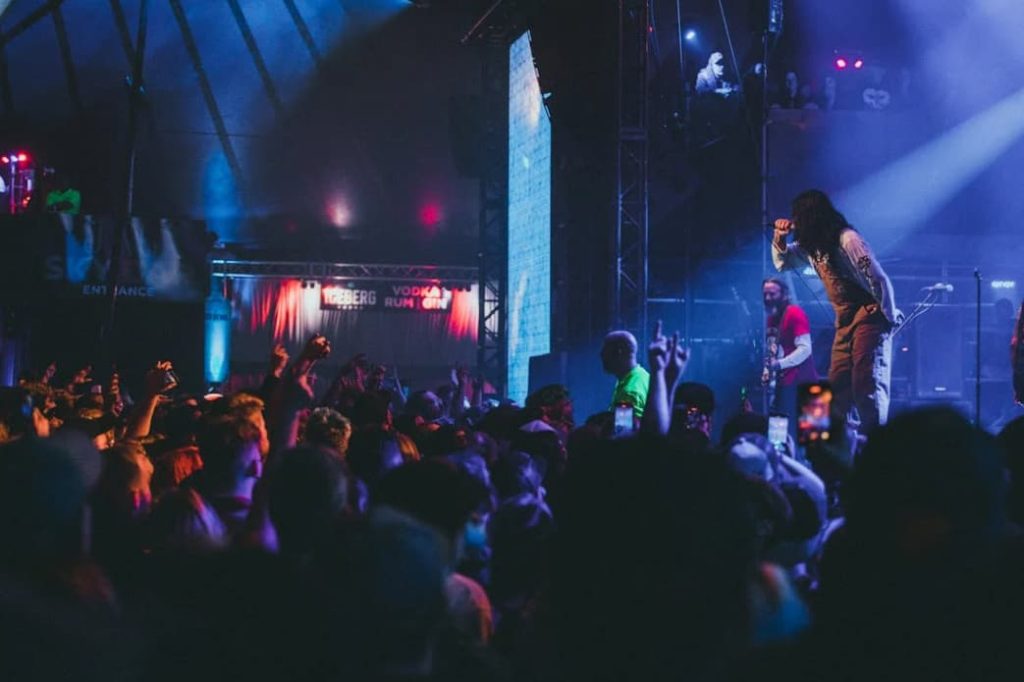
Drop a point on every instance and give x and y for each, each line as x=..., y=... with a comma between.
x=778, y=429
x=815, y=405
x=623, y=420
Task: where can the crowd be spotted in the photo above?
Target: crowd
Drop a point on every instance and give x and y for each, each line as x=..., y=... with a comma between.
x=874, y=89
x=871, y=87
x=368, y=535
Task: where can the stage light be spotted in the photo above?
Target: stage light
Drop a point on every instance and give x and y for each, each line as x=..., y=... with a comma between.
x=22, y=157
x=430, y=214
x=691, y=35
x=339, y=212
x=5, y=159
x=859, y=64
x=841, y=63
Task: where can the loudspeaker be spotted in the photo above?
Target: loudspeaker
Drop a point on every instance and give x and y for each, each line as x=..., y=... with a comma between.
x=898, y=407
x=939, y=353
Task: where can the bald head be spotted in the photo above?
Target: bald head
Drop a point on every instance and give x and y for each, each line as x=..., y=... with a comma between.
x=618, y=353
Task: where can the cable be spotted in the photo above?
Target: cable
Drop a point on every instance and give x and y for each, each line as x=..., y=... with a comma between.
x=800, y=276
x=732, y=49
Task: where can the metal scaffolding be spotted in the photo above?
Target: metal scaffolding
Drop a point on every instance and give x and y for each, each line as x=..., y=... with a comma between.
x=242, y=269
x=631, y=229
x=492, y=353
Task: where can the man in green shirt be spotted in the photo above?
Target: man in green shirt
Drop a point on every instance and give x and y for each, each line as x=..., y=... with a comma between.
x=67, y=200
x=618, y=357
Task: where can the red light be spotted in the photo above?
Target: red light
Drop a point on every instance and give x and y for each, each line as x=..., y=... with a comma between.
x=5, y=159
x=22, y=157
x=841, y=63
x=430, y=215
x=858, y=64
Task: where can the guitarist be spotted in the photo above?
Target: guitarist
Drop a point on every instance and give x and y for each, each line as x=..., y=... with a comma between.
x=789, y=361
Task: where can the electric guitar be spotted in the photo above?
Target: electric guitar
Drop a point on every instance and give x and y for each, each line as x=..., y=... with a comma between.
x=770, y=374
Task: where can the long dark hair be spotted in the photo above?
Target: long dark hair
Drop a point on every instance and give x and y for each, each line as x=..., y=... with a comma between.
x=818, y=223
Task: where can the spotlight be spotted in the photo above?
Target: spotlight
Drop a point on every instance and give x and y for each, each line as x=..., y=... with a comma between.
x=841, y=63
x=859, y=64
x=691, y=35
x=23, y=157
x=5, y=159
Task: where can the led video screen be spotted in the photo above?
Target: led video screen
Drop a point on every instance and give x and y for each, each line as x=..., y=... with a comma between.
x=529, y=220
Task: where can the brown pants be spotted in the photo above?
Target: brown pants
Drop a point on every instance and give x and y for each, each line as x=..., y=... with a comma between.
x=861, y=368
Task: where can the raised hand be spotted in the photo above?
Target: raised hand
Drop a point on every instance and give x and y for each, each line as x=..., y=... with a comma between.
x=49, y=373
x=678, y=357
x=116, y=403
x=658, y=352
x=160, y=379
x=317, y=348
x=783, y=226
x=278, y=359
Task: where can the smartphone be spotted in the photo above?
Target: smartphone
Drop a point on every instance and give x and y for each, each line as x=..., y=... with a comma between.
x=814, y=405
x=623, y=420
x=778, y=429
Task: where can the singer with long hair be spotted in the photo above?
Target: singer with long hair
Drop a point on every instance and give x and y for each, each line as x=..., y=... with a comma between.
x=861, y=296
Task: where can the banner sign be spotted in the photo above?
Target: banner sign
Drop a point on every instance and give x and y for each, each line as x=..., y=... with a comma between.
x=416, y=297
x=72, y=256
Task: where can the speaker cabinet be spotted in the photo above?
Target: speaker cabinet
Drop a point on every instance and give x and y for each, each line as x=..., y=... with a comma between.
x=939, y=353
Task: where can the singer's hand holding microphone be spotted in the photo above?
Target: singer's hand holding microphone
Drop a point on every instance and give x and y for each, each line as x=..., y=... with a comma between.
x=783, y=226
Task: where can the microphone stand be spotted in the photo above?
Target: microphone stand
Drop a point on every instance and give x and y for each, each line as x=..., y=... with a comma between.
x=977, y=350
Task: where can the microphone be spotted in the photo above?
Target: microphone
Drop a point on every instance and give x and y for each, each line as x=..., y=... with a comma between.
x=939, y=286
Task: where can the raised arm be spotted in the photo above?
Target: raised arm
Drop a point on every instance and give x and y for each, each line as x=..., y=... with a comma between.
x=278, y=361
x=294, y=394
x=667, y=360
x=158, y=381
x=786, y=256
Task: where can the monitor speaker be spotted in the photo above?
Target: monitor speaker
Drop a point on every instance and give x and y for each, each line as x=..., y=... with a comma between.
x=939, y=353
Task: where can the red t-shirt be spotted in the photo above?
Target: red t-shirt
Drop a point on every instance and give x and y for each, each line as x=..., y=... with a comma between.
x=794, y=323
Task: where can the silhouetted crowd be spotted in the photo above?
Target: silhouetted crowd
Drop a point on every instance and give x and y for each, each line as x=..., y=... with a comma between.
x=371, y=534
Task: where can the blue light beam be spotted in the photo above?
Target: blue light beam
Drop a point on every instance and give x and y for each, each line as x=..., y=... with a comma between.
x=905, y=194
